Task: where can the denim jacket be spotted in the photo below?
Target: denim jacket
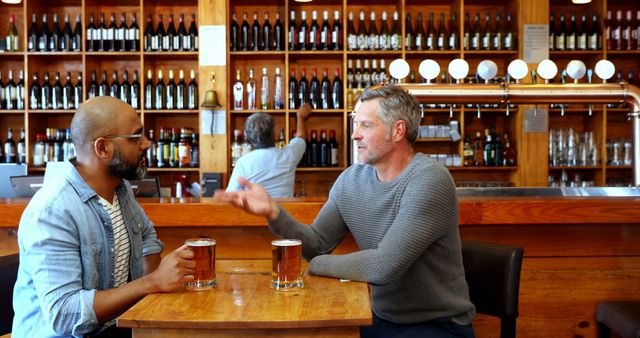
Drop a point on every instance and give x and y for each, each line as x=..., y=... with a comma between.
x=67, y=253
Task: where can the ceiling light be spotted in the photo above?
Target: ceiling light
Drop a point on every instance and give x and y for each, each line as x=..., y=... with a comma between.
x=12, y=1
x=303, y=0
x=581, y=2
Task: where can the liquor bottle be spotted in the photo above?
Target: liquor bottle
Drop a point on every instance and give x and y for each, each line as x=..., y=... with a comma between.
x=35, y=93
x=431, y=35
x=235, y=43
x=352, y=36
x=151, y=152
x=162, y=148
x=497, y=160
x=385, y=36
x=373, y=37
x=45, y=93
x=67, y=93
x=498, y=35
x=181, y=92
x=109, y=40
x=303, y=32
x=193, y=34
x=475, y=33
x=238, y=92
x=396, y=32
x=357, y=77
x=149, y=99
x=21, y=148
x=181, y=40
x=32, y=39
x=92, y=90
x=314, y=32
x=478, y=150
x=609, y=26
x=325, y=151
x=314, y=90
x=278, y=90
x=336, y=32
x=192, y=92
x=10, y=93
x=171, y=91
x=509, y=154
x=572, y=34
x=245, y=34
x=362, y=40
x=325, y=33
x=256, y=41
x=303, y=88
x=99, y=35
x=442, y=36
x=251, y=91
x=133, y=35
x=636, y=32
x=468, y=156
x=120, y=38
x=326, y=99
x=2, y=96
x=162, y=42
x=626, y=32
x=264, y=90
x=313, y=150
x=489, y=150
x=168, y=43
x=409, y=35
x=10, y=148
x=337, y=96
x=77, y=92
x=76, y=37
x=12, y=39
x=38, y=151
x=266, y=42
x=487, y=33
x=160, y=92
x=68, y=149
x=246, y=146
x=195, y=152
x=54, y=39
x=114, y=87
x=125, y=88
x=509, y=34
x=366, y=74
x=375, y=74
x=421, y=36
x=150, y=37
x=20, y=91
x=281, y=142
x=43, y=37
x=184, y=149
x=561, y=35
x=334, y=153
x=293, y=90
x=278, y=34
x=582, y=35
x=552, y=32
x=293, y=31
x=236, y=147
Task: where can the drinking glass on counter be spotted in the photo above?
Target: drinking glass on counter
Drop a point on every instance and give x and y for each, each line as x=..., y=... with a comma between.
x=286, y=267
x=204, y=254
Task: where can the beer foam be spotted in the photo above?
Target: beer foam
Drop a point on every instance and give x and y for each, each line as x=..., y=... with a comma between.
x=287, y=242
x=201, y=242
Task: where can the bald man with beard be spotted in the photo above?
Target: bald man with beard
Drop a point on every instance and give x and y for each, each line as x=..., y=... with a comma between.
x=88, y=252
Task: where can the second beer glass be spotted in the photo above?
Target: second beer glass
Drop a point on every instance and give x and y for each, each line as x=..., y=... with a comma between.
x=204, y=254
x=286, y=269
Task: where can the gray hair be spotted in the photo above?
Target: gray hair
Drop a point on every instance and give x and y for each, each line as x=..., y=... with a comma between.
x=396, y=104
x=260, y=130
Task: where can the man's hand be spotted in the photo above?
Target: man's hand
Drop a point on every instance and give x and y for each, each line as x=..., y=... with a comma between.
x=254, y=199
x=304, y=111
x=174, y=270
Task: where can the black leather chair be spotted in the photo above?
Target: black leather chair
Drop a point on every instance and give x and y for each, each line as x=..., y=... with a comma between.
x=622, y=317
x=8, y=275
x=492, y=272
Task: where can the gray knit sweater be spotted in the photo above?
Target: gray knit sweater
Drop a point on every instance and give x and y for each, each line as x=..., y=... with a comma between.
x=407, y=232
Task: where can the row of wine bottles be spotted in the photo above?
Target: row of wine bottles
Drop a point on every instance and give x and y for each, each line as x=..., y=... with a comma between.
x=54, y=145
x=12, y=93
x=52, y=39
x=571, y=36
x=623, y=33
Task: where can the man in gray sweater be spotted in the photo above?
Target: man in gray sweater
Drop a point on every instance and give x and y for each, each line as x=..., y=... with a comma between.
x=402, y=210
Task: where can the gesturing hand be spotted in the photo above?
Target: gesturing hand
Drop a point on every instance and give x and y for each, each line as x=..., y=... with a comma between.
x=254, y=199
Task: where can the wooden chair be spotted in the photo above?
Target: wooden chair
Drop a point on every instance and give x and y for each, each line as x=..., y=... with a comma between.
x=8, y=275
x=492, y=272
x=621, y=317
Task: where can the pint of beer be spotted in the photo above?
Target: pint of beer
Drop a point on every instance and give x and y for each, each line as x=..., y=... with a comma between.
x=204, y=254
x=286, y=270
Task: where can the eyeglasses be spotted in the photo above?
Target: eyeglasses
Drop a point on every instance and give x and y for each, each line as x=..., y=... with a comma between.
x=136, y=137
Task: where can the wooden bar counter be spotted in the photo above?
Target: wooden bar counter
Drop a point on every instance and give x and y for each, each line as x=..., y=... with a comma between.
x=242, y=304
x=578, y=250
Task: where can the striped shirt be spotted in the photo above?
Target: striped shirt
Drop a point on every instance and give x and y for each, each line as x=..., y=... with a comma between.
x=122, y=249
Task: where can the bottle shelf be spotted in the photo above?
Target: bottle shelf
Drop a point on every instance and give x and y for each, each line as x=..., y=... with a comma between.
x=574, y=52
x=112, y=53
x=171, y=169
x=168, y=55
x=327, y=169
x=436, y=140
x=432, y=52
x=12, y=111
x=619, y=167
x=51, y=111
x=54, y=53
x=251, y=111
x=484, y=168
x=2, y=53
x=322, y=53
x=490, y=51
x=176, y=111
x=623, y=52
x=375, y=52
x=575, y=167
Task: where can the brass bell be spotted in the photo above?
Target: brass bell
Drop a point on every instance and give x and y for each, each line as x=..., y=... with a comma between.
x=210, y=100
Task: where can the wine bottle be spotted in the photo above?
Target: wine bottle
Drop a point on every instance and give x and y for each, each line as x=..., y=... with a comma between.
x=245, y=34
x=561, y=35
x=150, y=37
x=609, y=27
x=303, y=88
x=160, y=93
x=133, y=35
x=325, y=152
x=552, y=32
x=441, y=43
x=431, y=35
x=627, y=37
x=409, y=37
x=293, y=90
x=509, y=34
x=421, y=36
x=32, y=40
x=77, y=91
x=582, y=35
x=181, y=92
x=264, y=90
x=594, y=40
x=314, y=150
x=278, y=90
x=352, y=36
x=120, y=38
x=100, y=35
x=35, y=93
x=314, y=90
x=336, y=32
x=266, y=42
x=76, y=37
x=366, y=74
x=65, y=37
x=314, y=32
x=149, y=99
x=43, y=37
x=135, y=91
x=476, y=33
x=163, y=41
x=10, y=93
x=181, y=40
x=333, y=149
x=110, y=39
x=325, y=91
x=278, y=34
x=168, y=44
x=375, y=74
x=385, y=36
x=325, y=32
x=303, y=32
x=251, y=91
x=293, y=31
x=170, y=92
x=373, y=37
x=45, y=93
x=337, y=97
x=256, y=41
x=192, y=92
x=498, y=35
x=238, y=92
x=21, y=148
x=234, y=34
x=20, y=91
x=10, y=148
x=572, y=34
x=487, y=33
x=362, y=42
x=396, y=33
x=56, y=93
x=125, y=88
x=67, y=93
x=114, y=88
x=193, y=34
x=54, y=39
x=92, y=91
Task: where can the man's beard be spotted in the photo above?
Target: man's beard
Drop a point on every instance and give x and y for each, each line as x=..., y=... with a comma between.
x=119, y=167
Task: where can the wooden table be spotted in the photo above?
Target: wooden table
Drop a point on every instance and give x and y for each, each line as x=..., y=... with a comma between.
x=243, y=305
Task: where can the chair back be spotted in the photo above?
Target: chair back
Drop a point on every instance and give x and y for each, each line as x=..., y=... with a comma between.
x=26, y=186
x=492, y=272
x=8, y=276
x=146, y=187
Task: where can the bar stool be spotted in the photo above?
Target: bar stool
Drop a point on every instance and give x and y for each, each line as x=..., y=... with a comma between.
x=621, y=317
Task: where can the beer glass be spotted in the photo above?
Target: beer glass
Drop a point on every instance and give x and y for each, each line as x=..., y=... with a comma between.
x=286, y=268
x=204, y=254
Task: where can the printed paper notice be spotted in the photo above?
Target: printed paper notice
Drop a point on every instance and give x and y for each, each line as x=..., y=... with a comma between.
x=536, y=43
x=536, y=120
x=214, y=122
x=213, y=44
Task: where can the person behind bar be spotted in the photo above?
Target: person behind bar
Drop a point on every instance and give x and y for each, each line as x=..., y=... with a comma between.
x=273, y=168
x=88, y=252
x=402, y=210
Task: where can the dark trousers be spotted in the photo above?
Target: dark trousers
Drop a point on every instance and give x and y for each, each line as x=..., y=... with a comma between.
x=114, y=332
x=437, y=328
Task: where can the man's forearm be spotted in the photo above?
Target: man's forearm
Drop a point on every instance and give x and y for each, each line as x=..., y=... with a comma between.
x=109, y=304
